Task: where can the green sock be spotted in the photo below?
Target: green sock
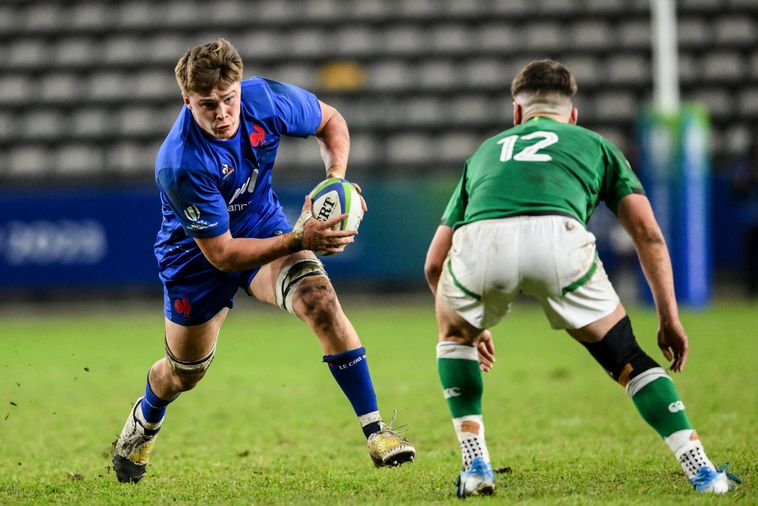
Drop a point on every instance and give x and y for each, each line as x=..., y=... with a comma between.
x=461, y=378
x=656, y=399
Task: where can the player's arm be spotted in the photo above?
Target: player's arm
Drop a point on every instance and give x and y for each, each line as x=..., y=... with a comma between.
x=232, y=254
x=637, y=218
x=435, y=256
x=334, y=140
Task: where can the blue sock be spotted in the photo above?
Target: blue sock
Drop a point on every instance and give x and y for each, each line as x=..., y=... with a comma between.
x=350, y=369
x=153, y=407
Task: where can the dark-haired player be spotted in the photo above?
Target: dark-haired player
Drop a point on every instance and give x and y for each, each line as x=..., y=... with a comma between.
x=516, y=223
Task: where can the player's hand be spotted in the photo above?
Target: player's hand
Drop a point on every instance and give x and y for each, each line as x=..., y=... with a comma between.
x=486, y=349
x=673, y=342
x=318, y=235
x=360, y=194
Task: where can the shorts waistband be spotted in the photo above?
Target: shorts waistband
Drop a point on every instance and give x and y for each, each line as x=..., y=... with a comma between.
x=546, y=213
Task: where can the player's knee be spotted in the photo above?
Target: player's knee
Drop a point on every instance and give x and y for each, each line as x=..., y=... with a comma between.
x=187, y=373
x=317, y=301
x=293, y=276
x=620, y=354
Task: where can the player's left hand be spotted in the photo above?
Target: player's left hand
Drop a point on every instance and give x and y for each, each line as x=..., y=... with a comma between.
x=486, y=348
x=673, y=342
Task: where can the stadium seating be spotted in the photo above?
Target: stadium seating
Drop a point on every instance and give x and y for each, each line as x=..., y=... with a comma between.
x=87, y=88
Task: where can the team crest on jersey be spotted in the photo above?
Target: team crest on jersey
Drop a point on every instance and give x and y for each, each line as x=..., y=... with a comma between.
x=183, y=306
x=192, y=213
x=258, y=136
x=226, y=169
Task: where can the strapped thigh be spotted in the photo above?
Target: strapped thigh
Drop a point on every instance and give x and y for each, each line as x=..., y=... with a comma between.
x=290, y=278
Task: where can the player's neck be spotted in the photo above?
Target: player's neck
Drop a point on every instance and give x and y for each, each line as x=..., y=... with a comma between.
x=555, y=117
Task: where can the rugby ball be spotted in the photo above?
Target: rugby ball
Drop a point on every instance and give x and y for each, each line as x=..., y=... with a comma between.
x=335, y=196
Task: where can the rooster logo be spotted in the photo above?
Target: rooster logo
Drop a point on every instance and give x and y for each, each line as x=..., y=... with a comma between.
x=258, y=136
x=183, y=306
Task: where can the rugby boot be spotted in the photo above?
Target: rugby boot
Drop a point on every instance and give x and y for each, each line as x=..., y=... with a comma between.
x=131, y=451
x=715, y=481
x=388, y=449
x=478, y=479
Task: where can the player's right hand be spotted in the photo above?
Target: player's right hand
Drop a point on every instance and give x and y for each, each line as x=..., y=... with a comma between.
x=319, y=236
x=486, y=348
x=673, y=342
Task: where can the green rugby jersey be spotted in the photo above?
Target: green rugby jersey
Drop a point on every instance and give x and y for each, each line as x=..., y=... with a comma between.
x=541, y=167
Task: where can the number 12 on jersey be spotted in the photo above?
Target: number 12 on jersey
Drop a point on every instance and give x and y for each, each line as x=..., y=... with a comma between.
x=530, y=153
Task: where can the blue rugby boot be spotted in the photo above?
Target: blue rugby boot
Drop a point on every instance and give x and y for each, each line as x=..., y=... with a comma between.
x=715, y=481
x=478, y=479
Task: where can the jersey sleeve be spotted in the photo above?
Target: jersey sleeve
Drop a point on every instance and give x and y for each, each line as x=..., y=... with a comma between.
x=456, y=206
x=195, y=200
x=620, y=180
x=298, y=112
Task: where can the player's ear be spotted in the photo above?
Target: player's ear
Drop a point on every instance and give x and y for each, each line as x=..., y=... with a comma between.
x=518, y=114
x=186, y=101
x=574, y=115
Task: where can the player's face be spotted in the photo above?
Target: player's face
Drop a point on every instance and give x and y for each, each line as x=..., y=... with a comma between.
x=217, y=113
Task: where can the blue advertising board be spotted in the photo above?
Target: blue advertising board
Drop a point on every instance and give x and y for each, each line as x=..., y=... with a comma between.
x=82, y=238
x=78, y=238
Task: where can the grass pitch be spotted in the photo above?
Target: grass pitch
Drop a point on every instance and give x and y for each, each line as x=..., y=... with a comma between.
x=268, y=425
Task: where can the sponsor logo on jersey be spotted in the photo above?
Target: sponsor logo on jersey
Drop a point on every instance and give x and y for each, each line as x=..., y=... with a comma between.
x=226, y=169
x=676, y=406
x=248, y=186
x=183, y=306
x=257, y=136
x=452, y=392
x=201, y=225
x=192, y=212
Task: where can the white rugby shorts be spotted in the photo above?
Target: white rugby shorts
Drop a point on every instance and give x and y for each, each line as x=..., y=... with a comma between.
x=551, y=258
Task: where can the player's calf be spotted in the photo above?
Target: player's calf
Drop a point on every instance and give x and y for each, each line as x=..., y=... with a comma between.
x=654, y=395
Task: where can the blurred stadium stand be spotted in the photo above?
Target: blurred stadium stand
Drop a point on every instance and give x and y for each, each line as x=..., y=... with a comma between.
x=87, y=94
x=87, y=90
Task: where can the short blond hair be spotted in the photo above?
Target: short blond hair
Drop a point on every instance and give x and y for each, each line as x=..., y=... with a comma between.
x=202, y=68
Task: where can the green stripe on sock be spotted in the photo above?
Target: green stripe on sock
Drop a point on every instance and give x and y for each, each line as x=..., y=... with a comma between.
x=462, y=384
x=660, y=406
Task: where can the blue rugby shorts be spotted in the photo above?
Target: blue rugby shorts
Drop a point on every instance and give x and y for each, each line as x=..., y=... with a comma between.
x=201, y=290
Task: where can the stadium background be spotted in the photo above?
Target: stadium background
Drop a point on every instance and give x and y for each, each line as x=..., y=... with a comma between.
x=87, y=93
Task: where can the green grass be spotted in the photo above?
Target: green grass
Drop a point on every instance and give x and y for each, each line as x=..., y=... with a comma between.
x=269, y=426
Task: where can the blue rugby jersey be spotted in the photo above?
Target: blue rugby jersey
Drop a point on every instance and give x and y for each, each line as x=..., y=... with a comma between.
x=208, y=186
